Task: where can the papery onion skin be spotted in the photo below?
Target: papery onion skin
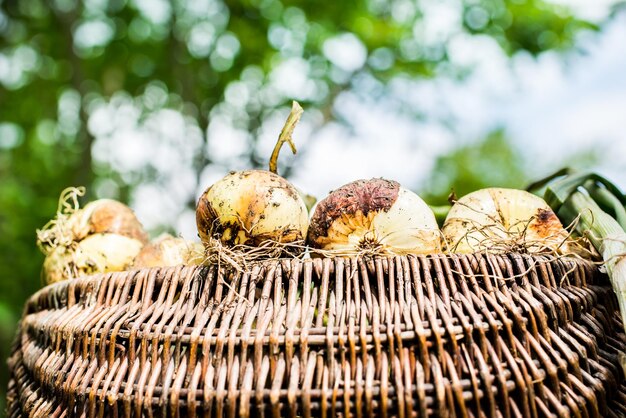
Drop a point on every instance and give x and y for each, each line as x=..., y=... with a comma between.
x=107, y=216
x=503, y=220
x=167, y=250
x=251, y=207
x=377, y=215
x=98, y=253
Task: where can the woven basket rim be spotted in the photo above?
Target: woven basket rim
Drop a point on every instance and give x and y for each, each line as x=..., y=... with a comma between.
x=160, y=316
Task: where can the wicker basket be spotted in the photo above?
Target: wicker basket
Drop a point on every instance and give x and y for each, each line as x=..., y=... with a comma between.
x=467, y=336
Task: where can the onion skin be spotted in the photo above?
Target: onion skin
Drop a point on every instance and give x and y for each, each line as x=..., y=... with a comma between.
x=377, y=215
x=503, y=220
x=358, y=198
x=98, y=253
x=167, y=250
x=251, y=207
x=107, y=216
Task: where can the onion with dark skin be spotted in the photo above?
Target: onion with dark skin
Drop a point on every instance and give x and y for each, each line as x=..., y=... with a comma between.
x=374, y=216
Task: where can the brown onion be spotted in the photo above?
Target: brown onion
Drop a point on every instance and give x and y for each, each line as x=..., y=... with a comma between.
x=377, y=216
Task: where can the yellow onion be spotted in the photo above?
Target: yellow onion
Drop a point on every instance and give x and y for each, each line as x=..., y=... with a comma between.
x=251, y=207
x=58, y=265
x=106, y=216
x=377, y=216
x=503, y=220
x=167, y=250
x=98, y=253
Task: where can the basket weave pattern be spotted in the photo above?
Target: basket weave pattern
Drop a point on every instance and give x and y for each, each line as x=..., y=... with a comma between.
x=443, y=335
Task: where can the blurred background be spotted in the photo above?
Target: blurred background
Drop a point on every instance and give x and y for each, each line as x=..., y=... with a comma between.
x=150, y=101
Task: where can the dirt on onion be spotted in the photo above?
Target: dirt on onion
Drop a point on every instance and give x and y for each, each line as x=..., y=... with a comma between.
x=376, y=217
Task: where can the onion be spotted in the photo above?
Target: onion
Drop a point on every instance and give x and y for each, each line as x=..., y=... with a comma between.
x=377, y=216
x=58, y=265
x=72, y=224
x=103, y=236
x=98, y=253
x=167, y=250
x=251, y=207
x=106, y=216
x=503, y=220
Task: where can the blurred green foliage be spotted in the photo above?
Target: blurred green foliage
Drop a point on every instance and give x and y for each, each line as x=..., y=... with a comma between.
x=491, y=162
x=61, y=58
